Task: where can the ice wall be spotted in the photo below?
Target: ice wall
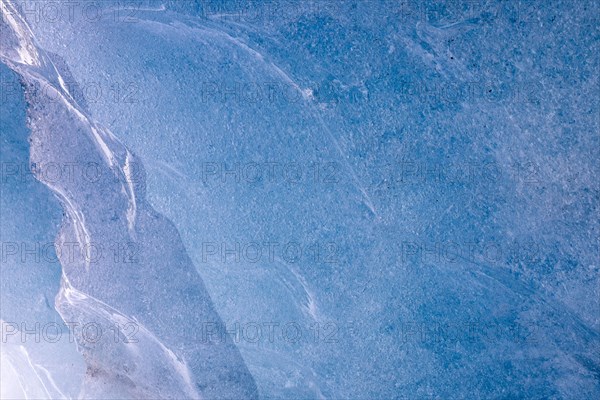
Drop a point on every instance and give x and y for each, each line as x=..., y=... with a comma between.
x=147, y=284
x=434, y=162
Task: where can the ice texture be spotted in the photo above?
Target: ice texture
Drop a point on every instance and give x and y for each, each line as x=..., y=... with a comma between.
x=158, y=290
x=29, y=214
x=455, y=210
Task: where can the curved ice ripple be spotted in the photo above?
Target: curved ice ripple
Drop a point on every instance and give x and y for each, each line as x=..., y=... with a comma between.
x=155, y=289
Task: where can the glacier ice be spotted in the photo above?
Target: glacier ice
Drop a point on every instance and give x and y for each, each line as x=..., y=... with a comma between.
x=159, y=292
x=411, y=186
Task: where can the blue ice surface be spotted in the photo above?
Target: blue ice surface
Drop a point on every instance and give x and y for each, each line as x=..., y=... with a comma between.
x=384, y=199
x=30, y=274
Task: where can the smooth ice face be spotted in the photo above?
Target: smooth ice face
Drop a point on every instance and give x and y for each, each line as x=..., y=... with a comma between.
x=35, y=342
x=384, y=199
x=151, y=287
